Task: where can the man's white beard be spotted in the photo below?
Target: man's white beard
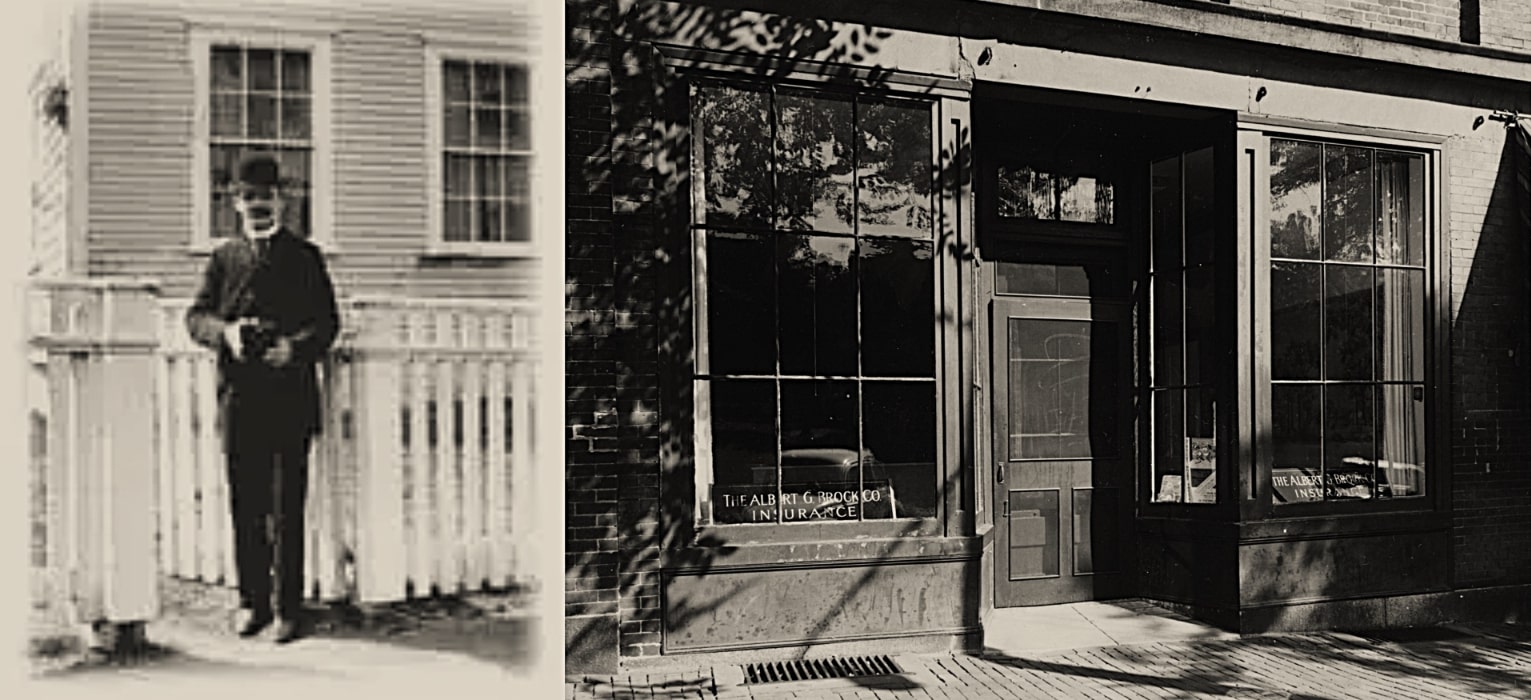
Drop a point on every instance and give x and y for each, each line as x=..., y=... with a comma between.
x=253, y=231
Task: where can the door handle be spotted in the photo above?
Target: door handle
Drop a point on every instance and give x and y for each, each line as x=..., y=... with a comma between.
x=999, y=472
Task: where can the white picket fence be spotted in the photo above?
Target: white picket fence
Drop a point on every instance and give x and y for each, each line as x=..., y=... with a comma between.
x=421, y=480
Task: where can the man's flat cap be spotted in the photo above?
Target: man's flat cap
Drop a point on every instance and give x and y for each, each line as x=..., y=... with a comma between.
x=258, y=169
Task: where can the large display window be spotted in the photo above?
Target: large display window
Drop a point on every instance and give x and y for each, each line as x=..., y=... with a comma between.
x=813, y=236
x=1349, y=274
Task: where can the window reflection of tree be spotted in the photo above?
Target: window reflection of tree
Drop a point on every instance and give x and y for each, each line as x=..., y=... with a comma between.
x=1362, y=206
x=839, y=186
x=819, y=141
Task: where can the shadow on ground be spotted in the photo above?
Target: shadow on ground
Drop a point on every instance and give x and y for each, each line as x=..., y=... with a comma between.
x=491, y=628
x=1487, y=661
x=164, y=660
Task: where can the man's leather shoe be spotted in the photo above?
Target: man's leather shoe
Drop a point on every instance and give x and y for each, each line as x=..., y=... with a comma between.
x=249, y=623
x=288, y=630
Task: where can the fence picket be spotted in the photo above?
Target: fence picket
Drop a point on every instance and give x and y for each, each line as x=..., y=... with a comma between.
x=185, y=471
x=494, y=466
x=318, y=558
x=164, y=435
x=520, y=467
x=424, y=566
x=419, y=478
x=210, y=508
x=473, y=482
x=445, y=465
x=345, y=443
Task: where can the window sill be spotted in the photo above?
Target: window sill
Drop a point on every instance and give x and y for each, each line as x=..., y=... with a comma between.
x=717, y=550
x=439, y=250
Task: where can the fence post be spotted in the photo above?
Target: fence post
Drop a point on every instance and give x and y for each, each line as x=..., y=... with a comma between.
x=380, y=557
x=101, y=338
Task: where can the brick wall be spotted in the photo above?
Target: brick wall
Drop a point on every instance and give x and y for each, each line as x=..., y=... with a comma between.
x=1502, y=24
x=592, y=455
x=1436, y=19
x=1506, y=24
x=627, y=286
x=637, y=237
x=1491, y=395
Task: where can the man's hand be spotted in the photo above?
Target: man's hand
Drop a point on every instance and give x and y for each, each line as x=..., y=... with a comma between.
x=233, y=337
x=280, y=353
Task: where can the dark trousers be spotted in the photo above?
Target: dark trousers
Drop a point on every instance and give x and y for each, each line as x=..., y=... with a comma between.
x=267, y=488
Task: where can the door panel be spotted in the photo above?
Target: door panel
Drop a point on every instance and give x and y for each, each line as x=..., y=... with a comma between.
x=1062, y=432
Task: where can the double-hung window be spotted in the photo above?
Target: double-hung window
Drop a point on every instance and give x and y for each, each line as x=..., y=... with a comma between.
x=268, y=94
x=1350, y=268
x=480, y=152
x=814, y=245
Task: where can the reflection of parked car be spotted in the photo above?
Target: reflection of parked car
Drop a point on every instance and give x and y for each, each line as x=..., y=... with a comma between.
x=813, y=465
x=1393, y=479
x=1398, y=479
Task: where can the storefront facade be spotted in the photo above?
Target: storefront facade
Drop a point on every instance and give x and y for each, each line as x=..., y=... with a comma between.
x=882, y=321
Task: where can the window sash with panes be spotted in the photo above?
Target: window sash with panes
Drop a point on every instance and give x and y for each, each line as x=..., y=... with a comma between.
x=1348, y=277
x=261, y=99
x=816, y=326
x=1184, y=379
x=486, y=152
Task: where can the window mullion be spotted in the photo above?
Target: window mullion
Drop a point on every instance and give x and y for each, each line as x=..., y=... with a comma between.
x=244, y=92
x=277, y=60
x=1323, y=320
x=775, y=244
x=861, y=450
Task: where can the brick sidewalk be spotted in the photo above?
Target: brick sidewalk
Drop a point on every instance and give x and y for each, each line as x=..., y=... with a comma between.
x=1439, y=663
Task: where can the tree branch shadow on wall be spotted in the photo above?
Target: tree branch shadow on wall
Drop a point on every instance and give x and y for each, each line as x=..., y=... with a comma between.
x=633, y=318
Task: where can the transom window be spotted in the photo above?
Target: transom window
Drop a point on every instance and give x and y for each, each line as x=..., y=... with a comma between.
x=1025, y=192
x=485, y=152
x=261, y=99
x=813, y=229
x=1348, y=279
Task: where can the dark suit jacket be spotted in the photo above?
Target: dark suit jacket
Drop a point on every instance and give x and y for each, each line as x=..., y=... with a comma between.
x=259, y=404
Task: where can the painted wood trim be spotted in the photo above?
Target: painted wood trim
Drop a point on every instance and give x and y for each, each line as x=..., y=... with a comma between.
x=441, y=47
x=948, y=370
x=1255, y=363
x=700, y=389
x=1438, y=416
x=1329, y=130
x=692, y=59
x=822, y=531
x=77, y=216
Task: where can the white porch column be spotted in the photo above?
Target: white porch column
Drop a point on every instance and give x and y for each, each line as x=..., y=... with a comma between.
x=100, y=337
x=381, y=567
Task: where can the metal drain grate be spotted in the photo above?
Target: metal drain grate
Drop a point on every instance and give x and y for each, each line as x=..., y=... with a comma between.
x=815, y=669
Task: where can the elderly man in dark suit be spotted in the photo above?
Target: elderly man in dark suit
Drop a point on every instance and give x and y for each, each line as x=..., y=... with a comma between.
x=267, y=307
